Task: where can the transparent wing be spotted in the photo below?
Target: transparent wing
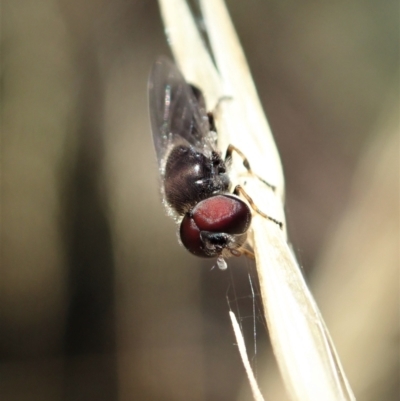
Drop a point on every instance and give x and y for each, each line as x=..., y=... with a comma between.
x=175, y=112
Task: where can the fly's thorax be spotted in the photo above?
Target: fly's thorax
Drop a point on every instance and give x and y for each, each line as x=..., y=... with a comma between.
x=190, y=176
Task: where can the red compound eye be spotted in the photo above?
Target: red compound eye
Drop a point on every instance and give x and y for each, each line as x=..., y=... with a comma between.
x=222, y=213
x=190, y=237
x=219, y=214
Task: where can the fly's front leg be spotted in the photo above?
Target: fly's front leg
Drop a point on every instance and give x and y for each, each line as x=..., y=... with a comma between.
x=247, y=253
x=214, y=112
x=240, y=191
x=219, y=102
x=211, y=121
x=246, y=164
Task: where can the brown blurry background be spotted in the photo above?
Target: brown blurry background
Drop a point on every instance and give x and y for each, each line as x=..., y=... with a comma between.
x=97, y=299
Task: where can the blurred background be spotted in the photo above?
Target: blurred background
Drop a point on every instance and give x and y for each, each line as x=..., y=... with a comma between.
x=97, y=299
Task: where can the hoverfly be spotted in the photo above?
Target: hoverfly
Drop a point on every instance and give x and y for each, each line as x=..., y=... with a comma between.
x=195, y=182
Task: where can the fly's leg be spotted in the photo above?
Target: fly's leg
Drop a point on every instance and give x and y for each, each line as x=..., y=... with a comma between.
x=198, y=94
x=220, y=100
x=211, y=121
x=240, y=191
x=246, y=164
x=211, y=114
x=242, y=251
x=247, y=253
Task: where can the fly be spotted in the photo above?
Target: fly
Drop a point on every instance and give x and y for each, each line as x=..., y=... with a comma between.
x=195, y=182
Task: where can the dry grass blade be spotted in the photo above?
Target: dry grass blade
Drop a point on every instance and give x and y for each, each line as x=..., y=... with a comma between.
x=306, y=356
x=188, y=49
x=249, y=128
x=243, y=354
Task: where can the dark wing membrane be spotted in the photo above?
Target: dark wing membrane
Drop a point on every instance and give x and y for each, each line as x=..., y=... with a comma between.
x=174, y=110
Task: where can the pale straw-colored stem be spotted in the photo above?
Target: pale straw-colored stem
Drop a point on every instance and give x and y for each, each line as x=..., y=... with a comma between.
x=305, y=353
x=243, y=354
